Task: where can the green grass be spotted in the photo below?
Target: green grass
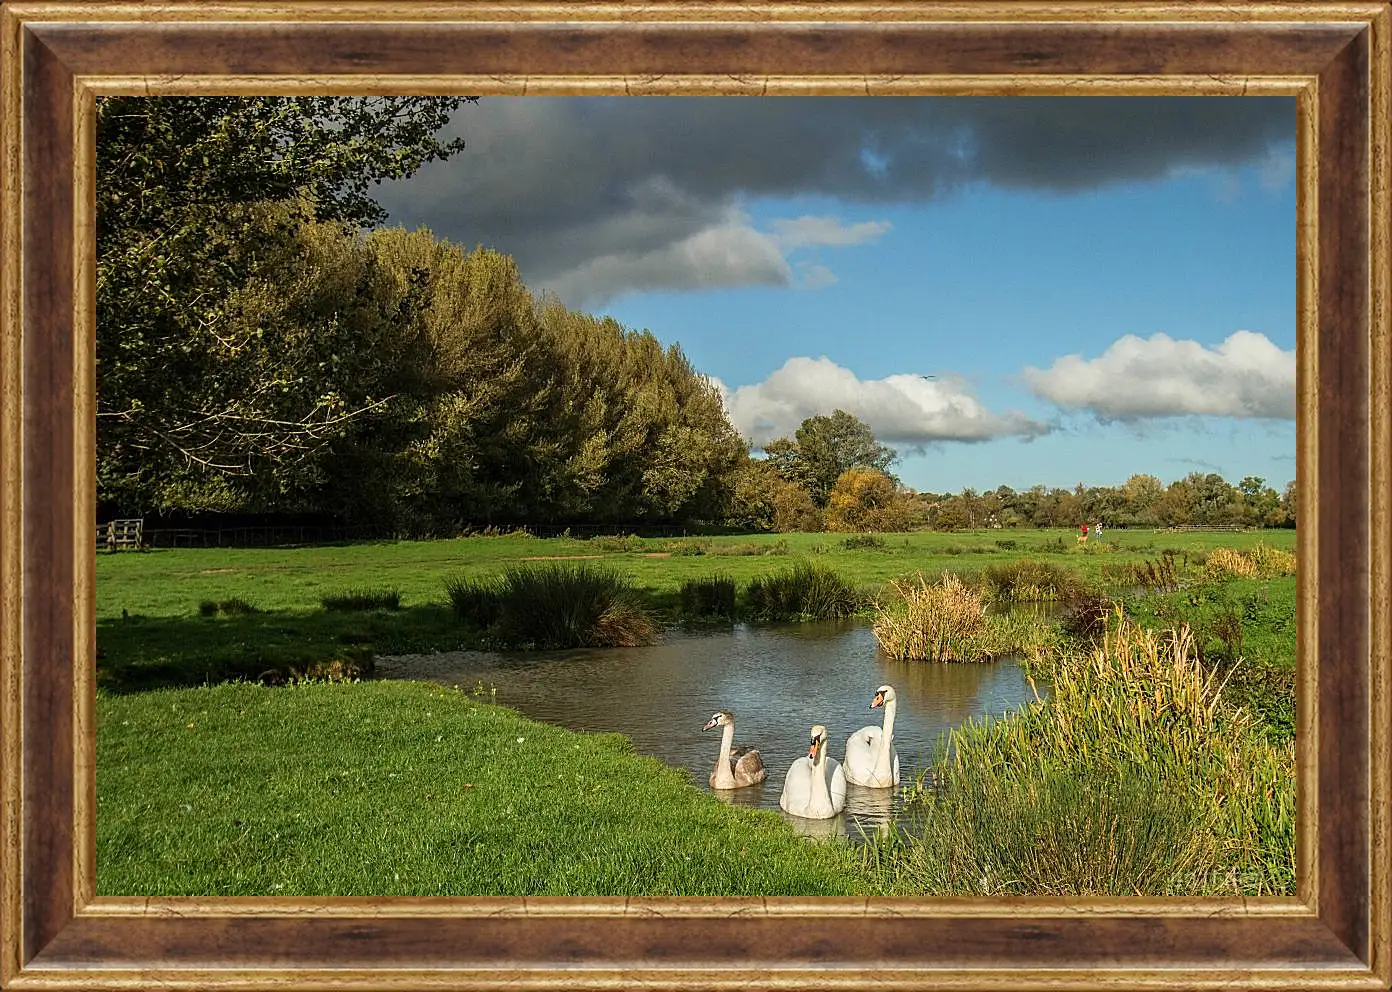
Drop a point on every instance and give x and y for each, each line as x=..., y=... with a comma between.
x=1248, y=619
x=150, y=631
x=166, y=582
x=144, y=652
x=403, y=788
x=360, y=788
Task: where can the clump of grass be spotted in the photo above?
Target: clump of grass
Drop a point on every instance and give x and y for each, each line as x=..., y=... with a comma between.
x=630, y=542
x=689, y=548
x=362, y=600
x=942, y=621
x=228, y=607
x=864, y=542
x=476, y=600
x=571, y=605
x=1007, y=545
x=1062, y=831
x=1030, y=580
x=1224, y=563
x=1271, y=562
x=207, y=608
x=804, y=591
x=1159, y=575
x=1138, y=704
x=493, y=530
x=709, y=597
x=742, y=549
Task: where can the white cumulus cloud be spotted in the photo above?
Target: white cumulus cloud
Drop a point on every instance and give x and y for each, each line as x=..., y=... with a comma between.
x=728, y=252
x=904, y=410
x=1246, y=376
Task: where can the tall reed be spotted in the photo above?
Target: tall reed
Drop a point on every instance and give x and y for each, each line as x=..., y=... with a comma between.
x=1030, y=580
x=1271, y=562
x=947, y=621
x=1138, y=704
x=1225, y=562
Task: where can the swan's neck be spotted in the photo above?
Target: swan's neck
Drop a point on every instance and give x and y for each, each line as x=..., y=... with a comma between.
x=819, y=775
x=723, y=773
x=882, y=762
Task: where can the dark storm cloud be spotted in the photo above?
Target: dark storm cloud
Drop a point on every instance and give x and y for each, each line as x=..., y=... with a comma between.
x=595, y=196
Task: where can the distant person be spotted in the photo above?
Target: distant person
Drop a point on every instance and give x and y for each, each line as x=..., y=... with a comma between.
x=1097, y=531
x=1082, y=538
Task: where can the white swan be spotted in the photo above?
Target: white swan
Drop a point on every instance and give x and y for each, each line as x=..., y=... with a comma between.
x=731, y=773
x=815, y=787
x=870, y=756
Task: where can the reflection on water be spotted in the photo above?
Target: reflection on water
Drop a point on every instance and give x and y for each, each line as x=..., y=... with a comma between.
x=778, y=681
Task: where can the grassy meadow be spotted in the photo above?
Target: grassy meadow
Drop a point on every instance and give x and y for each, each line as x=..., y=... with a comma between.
x=358, y=787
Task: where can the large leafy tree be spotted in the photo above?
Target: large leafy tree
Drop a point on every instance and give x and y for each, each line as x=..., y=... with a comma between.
x=197, y=198
x=823, y=448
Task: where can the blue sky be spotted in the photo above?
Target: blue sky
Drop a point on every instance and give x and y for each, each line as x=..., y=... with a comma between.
x=808, y=257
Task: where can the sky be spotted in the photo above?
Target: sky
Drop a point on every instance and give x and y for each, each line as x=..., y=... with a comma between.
x=1008, y=290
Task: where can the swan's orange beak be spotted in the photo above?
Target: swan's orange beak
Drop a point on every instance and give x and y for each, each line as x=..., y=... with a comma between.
x=812, y=750
x=709, y=724
x=878, y=700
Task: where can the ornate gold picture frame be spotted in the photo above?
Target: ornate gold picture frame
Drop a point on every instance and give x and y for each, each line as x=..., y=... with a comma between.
x=1336, y=58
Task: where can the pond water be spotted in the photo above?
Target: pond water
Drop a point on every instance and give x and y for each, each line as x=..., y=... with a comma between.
x=777, y=680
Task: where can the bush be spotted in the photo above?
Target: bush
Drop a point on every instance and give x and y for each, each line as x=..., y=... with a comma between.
x=363, y=599
x=714, y=596
x=743, y=549
x=207, y=608
x=1086, y=617
x=864, y=542
x=805, y=591
x=685, y=548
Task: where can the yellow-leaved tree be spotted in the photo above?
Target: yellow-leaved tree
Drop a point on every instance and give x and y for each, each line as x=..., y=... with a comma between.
x=866, y=499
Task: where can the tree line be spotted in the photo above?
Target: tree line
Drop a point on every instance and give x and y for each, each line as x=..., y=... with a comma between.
x=265, y=346
x=263, y=349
